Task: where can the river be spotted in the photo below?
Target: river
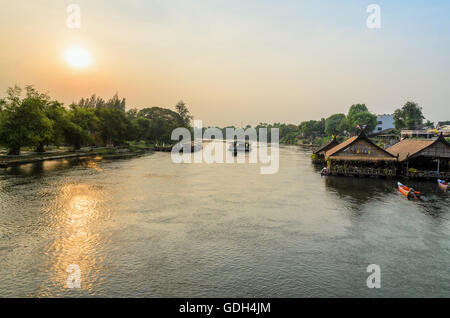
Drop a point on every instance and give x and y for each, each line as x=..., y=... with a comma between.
x=147, y=227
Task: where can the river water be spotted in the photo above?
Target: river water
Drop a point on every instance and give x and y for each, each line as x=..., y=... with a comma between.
x=147, y=227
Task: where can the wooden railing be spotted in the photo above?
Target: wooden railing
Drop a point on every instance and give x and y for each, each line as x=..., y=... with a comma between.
x=429, y=174
x=360, y=171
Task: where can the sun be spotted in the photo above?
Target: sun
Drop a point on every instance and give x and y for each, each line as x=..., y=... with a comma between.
x=78, y=57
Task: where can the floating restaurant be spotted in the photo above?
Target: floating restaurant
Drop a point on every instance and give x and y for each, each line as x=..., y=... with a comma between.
x=319, y=155
x=423, y=158
x=359, y=156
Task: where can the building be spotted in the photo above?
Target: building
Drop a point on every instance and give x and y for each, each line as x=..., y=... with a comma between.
x=358, y=155
x=426, y=133
x=319, y=154
x=442, y=124
x=424, y=158
x=385, y=122
x=418, y=133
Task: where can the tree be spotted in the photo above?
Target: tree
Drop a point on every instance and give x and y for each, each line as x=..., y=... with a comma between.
x=97, y=102
x=163, y=122
x=116, y=103
x=366, y=119
x=86, y=118
x=184, y=114
x=409, y=116
x=59, y=116
x=359, y=115
x=143, y=128
x=335, y=124
x=312, y=128
x=429, y=124
x=355, y=109
x=2, y=104
x=24, y=122
x=75, y=135
x=113, y=125
x=82, y=126
x=132, y=114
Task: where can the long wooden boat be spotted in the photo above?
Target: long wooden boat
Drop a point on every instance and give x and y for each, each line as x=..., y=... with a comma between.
x=407, y=191
x=443, y=185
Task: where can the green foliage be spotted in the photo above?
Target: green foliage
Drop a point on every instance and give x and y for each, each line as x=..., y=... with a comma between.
x=36, y=121
x=335, y=124
x=24, y=122
x=112, y=127
x=288, y=134
x=429, y=124
x=97, y=102
x=312, y=128
x=358, y=114
x=162, y=122
x=320, y=141
x=290, y=139
x=356, y=109
x=409, y=116
x=2, y=104
x=184, y=114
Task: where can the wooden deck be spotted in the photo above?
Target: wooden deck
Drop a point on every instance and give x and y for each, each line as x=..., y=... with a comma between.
x=365, y=172
x=429, y=175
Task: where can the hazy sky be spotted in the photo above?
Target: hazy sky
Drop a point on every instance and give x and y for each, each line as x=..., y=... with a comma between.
x=235, y=61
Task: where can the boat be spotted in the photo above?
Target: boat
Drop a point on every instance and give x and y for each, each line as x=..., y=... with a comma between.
x=325, y=172
x=443, y=185
x=240, y=146
x=407, y=192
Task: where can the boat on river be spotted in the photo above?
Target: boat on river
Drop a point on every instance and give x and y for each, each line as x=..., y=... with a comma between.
x=240, y=146
x=443, y=185
x=407, y=192
x=325, y=172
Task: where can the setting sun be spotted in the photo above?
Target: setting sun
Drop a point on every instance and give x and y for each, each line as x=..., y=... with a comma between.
x=78, y=57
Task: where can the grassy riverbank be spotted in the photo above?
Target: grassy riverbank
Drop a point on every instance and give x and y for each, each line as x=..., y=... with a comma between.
x=130, y=150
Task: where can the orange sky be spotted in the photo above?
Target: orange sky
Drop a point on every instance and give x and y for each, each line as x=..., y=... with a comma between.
x=234, y=61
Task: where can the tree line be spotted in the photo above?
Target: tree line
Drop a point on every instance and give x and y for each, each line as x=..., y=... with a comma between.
x=29, y=118
x=409, y=116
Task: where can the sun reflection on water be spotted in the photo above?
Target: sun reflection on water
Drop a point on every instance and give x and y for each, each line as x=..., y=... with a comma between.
x=74, y=215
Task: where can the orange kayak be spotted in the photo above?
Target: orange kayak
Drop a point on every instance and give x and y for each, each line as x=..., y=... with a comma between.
x=407, y=191
x=443, y=185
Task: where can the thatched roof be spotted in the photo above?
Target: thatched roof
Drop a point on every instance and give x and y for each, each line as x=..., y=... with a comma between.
x=352, y=140
x=333, y=143
x=408, y=148
x=341, y=146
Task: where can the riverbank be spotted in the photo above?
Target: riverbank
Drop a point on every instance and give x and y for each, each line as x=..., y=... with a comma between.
x=106, y=153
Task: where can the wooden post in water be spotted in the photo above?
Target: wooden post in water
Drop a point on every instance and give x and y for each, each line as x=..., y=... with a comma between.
x=407, y=168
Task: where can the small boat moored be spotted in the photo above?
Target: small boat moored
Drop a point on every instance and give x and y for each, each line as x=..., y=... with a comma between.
x=408, y=192
x=443, y=185
x=325, y=172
